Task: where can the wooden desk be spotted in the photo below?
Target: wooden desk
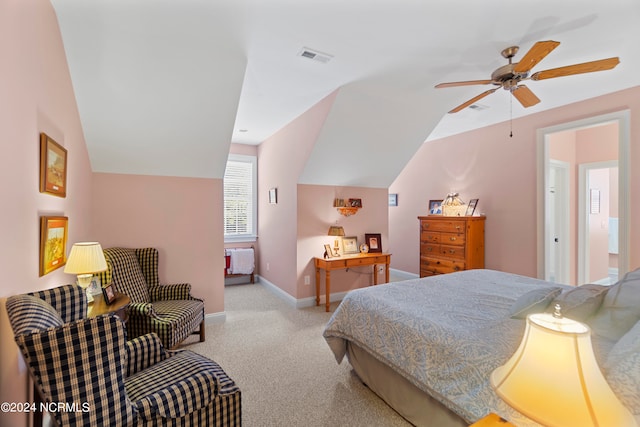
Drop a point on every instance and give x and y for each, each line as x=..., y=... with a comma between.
x=343, y=262
x=118, y=306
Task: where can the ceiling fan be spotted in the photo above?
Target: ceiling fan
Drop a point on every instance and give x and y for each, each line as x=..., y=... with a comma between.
x=510, y=76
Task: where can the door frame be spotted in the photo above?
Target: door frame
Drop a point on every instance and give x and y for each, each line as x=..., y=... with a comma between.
x=623, y=118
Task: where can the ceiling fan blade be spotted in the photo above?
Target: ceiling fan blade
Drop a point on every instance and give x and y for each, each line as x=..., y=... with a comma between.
x=586, y=67
x=465, y=83
x=472, y=100
x=525, y=96
x=536, y=54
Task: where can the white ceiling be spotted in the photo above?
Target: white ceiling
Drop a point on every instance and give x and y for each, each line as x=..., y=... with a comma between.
x=163, y=86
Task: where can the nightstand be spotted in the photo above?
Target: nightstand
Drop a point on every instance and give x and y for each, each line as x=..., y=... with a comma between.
x=118, y=306
x=492, y=420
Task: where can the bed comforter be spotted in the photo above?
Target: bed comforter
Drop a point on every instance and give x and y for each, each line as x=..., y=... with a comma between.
x=445, y=334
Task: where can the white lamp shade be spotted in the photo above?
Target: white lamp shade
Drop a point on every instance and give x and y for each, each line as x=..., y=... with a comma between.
x=553, y=377
x=85, y=258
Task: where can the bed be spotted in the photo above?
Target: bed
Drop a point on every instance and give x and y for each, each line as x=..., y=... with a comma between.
x=427, y=346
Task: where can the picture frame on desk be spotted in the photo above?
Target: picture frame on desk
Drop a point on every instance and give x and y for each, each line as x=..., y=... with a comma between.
x=374, y=241
x=328, y=252
x=109, y=293
x=350, y=245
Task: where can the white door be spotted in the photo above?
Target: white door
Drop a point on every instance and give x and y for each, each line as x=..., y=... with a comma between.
x=558, y=227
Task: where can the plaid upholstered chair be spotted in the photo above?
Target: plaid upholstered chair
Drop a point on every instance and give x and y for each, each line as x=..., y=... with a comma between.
x=168, y=310
x=102, y=379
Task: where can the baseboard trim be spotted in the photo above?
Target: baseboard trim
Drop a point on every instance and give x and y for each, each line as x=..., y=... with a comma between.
x=219, y=317
x=404, y=275
x=301, y=302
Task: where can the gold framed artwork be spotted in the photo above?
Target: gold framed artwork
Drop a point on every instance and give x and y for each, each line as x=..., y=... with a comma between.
x=53, y=243
x=53, y=167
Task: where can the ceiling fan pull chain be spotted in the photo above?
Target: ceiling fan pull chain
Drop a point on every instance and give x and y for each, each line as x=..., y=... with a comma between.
x=511, y=117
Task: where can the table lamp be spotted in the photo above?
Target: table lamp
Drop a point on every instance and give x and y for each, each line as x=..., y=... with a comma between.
x=85, y=259
x=554, y=379
x=338, y=231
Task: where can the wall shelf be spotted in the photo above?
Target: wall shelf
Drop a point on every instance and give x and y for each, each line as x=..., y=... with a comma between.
x=348, y=211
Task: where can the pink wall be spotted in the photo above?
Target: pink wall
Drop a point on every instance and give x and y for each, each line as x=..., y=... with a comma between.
x=182, y=217
x=501, y=172
x=37, y=96
x=316, y=213
x=281, y=159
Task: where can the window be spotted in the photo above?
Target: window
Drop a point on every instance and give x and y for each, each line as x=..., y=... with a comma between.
x=240, y=202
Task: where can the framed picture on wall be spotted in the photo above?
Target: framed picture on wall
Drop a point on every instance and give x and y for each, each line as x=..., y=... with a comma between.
x=53, y=243
x=374, y=241
x=53, y=167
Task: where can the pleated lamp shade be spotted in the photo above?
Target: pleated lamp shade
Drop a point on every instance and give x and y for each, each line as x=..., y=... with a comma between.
x=85, y=258
x=554, y=379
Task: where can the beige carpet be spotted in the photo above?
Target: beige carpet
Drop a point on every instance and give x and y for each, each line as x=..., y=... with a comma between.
x=287, y=374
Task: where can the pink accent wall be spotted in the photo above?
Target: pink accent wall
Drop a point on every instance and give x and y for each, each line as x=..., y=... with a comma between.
x=281, y=159
x=501, y=172
x=37, y=96
x=182, y=217
x=316, y=213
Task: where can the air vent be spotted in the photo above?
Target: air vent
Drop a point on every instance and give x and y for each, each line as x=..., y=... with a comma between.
x=315, y=55
x=478, y=107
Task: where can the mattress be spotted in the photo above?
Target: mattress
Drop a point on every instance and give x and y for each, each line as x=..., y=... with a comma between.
x=444, y=334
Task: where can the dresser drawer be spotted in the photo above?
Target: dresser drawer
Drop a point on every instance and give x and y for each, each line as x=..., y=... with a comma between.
x=429, y=248
x=429, y=237
x=448, y=226
x=452, y=239
x=440, y=265
x=452, y=251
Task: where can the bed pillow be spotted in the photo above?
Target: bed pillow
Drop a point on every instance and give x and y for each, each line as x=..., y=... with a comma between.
x=581, y=302
x=620, y=309
x=535, y=301
x=622, y=369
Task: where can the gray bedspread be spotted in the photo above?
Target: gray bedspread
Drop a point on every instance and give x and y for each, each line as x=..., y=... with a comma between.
x=445, y=334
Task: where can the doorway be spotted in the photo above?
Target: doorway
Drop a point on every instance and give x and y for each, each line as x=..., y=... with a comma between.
x=598, y=222
x=552, y=258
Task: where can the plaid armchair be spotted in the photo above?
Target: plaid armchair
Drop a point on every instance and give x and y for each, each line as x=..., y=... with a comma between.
x=168, y=310
x=89, y=367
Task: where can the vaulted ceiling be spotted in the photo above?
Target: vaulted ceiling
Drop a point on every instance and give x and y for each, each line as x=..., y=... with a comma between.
x=164, y=86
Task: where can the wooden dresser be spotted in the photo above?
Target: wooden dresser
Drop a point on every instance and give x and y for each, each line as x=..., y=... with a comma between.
x=450, y=243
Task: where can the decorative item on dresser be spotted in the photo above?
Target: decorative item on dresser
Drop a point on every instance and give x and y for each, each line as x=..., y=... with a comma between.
x=449, y=244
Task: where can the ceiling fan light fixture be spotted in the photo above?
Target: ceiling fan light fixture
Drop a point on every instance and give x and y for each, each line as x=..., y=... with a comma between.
x=510, y=76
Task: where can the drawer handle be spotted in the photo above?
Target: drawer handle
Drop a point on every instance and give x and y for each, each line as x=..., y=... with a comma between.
x=425, y=225
x=457, y=227
x=429, y=249
x=456, y=268
x=452, y=251
x=453, y=239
